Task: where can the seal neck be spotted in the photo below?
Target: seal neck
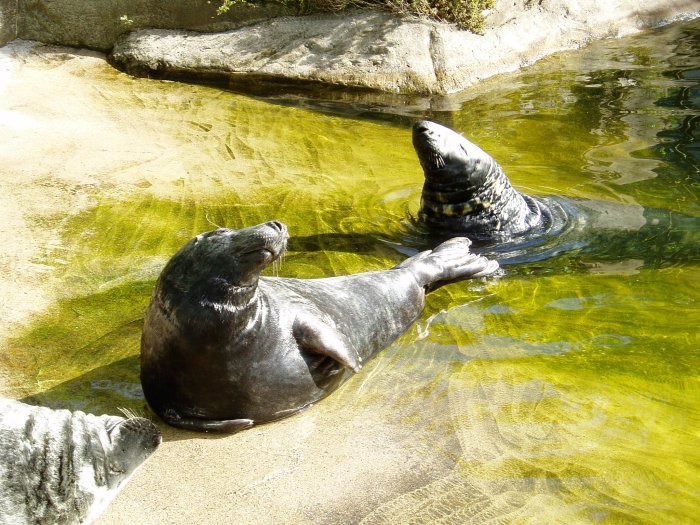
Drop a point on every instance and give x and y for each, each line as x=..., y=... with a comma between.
x=233, y=304
x=480, y=201
x=205, y=308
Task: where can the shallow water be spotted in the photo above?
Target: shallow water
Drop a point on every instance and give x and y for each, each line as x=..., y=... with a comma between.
x=564, y=392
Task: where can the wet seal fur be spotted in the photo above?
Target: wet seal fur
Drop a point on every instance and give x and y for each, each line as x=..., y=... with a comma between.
x=467, y=192
x=63, y=467
x=224, y=349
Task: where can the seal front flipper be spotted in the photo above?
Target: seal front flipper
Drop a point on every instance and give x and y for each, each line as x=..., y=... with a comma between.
x=207, y=425
x=315, y=336
x=449, y=262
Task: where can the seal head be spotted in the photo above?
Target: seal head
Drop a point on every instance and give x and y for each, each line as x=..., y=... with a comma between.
x=217, y=271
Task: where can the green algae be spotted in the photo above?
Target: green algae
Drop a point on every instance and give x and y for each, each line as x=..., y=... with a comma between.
x=82, y=354
x=574, y=400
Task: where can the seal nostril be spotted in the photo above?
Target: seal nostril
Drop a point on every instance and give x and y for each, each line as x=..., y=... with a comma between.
x=420, y=127
x=276, y=225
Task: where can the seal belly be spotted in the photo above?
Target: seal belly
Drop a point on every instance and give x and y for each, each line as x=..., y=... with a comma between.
x=254, y=374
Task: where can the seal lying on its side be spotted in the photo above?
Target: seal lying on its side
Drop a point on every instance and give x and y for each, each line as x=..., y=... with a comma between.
x=223, y=348
x=62, y=467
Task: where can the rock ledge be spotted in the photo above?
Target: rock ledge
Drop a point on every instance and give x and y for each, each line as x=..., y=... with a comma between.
x=384, y=52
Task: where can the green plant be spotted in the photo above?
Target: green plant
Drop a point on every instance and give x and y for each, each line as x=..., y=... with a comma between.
x=228, y=4
x=465, y=14
x=301, y=6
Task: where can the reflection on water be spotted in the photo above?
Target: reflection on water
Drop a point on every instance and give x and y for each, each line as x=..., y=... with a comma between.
x=565, y=392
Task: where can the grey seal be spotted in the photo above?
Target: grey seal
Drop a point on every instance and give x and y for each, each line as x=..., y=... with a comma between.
x=466, y=192
x=224, y=348
x=63, y=467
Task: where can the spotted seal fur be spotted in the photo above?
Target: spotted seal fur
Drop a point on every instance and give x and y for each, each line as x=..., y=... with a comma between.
x=63, y=467
x=466, y=191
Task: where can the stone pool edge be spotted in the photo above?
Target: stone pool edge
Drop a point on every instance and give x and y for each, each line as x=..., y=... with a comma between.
x=386, y=53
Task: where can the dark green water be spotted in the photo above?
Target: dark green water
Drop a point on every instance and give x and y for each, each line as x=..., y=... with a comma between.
x=567, y=391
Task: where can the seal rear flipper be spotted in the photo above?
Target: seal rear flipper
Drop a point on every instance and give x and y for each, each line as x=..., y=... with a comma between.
x=228, y=426
x=315, y=336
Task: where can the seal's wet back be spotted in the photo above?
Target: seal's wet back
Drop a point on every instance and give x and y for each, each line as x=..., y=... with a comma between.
x=223, y=348
x=62, y=467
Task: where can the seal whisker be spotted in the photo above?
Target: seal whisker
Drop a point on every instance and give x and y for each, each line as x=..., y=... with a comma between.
x=277, y=265
x=437, y=160
x=128, y=413
x=206, y=216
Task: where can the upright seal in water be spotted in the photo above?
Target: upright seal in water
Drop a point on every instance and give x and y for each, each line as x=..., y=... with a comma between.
x=62, y=467
x=223, y=348
x=466, y=190
x=467, y=193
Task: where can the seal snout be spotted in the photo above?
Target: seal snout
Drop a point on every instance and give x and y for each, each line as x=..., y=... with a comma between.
x=427, y=141
x=422, y=126
x=139, y=426
x=276, y=237
x=265, y=241
x=422, y=133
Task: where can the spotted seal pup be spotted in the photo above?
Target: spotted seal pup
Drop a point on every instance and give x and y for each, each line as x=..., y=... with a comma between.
x=224, y=349
x=63, y=467
x=466, y=192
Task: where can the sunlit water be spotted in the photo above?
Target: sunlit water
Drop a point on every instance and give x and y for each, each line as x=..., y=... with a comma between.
x=566, y=391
